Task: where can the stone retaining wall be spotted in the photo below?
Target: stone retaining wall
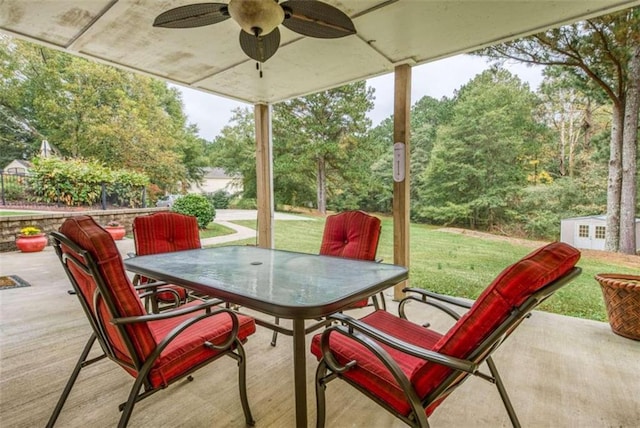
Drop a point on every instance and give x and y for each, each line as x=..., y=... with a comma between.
x=49, y=222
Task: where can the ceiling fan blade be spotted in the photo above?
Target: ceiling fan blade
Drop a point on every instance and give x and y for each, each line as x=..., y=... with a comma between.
x=260, y=48
x=314, y=18
x=192, y=15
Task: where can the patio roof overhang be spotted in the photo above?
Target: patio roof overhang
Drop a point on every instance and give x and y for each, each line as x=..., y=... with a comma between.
x=389, y=33
x=392, y=35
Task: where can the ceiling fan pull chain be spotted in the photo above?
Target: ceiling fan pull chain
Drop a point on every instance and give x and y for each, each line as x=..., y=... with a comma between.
x=259, y=68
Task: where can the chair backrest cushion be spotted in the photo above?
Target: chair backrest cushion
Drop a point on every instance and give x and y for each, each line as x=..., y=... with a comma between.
x=351, y=234
x=165, y=232
x=88, y=235
x=510, y=289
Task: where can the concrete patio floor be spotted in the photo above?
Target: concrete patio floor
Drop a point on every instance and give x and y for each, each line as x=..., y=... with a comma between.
x=559, y=371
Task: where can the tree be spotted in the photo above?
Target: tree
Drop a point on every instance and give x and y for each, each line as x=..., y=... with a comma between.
x=94, y=111
x=602, y=54
x=18, y=137
x=427, y=116
x=325, y=131
x=234, y=150
x=566, y=110
x=478, y=162
x=318, y=148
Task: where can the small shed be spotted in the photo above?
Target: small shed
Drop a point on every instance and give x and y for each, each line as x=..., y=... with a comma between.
x=589, y=232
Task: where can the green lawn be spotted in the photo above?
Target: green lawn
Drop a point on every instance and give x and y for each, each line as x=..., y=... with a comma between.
x=459, y=265
x=214, y=229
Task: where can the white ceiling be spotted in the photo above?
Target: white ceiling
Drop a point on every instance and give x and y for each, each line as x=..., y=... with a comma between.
x=209, y=58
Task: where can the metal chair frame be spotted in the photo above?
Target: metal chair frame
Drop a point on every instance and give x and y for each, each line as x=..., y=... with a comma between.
x=87, y=264
x=329, y=368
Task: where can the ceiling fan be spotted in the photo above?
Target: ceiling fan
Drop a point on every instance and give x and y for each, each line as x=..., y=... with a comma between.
x=259, y=20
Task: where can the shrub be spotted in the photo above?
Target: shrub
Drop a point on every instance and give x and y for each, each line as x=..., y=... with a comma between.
x=197, y=206
x=246, y=204
x=543, y=225
x=77, y=182
x=219, y=199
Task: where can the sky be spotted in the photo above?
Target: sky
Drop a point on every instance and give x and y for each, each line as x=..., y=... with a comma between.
x=437, y=79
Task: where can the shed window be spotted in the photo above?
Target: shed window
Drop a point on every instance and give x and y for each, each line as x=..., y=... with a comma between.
x=600, y=231
x=583, y=231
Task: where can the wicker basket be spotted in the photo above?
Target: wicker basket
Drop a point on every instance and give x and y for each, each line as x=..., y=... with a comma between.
x=622, y=299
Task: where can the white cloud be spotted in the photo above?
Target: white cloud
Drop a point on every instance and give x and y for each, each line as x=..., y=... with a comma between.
x=436, y=79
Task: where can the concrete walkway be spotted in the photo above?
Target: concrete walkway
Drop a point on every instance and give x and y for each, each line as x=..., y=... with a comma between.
x=225, y=218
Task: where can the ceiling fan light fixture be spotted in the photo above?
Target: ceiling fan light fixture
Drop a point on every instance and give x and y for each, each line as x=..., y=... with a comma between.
x=260, y=38
x=256, y=17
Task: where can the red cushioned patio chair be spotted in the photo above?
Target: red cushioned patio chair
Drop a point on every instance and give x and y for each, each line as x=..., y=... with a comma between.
x=354, y=235
x=156, y=349
x=163, y=232
x=410, y=369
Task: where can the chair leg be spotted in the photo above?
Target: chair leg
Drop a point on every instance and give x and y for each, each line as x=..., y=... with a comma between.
x=383, y=302
x=71, y=381
x=503, y=393
x=379, y=304
x=321, y=371
x=242, y=383
x=274, y=338
x=131, y=401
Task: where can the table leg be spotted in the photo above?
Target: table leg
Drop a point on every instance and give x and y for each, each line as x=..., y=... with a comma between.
x=300, y=372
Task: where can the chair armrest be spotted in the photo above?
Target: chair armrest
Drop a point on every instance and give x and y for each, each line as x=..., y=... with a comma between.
x=175, y=332
x=440, y=297
x=350, y=324
x=153, y=285
x=432, y=299
x=169, y=314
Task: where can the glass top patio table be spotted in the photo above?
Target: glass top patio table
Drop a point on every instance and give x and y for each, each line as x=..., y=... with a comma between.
x=281, y=283
x=285, y=284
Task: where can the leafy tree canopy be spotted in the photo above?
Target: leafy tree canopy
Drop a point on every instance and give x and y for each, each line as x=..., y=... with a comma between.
x=94, y=111
x=478, y=163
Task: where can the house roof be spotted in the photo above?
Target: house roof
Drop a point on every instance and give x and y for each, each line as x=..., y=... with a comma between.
x=25, y=164
x=601, y=217
x=216, y=173
x=389, y=33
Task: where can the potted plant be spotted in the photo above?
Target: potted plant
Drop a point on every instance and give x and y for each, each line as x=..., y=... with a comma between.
x=31, y=239
x=116, y=230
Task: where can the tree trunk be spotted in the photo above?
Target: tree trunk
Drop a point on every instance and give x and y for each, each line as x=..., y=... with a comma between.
x=573, y=134
x=587, y=125
x=563, y=144
x=629, y=153
x=322, y=186
x=614, y=184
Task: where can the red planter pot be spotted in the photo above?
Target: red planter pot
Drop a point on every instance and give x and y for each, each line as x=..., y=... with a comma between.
x=31, y=243
x=116, y=232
